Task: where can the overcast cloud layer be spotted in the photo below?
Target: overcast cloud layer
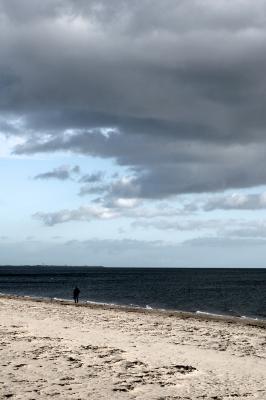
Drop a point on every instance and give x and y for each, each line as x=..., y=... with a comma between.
x=174, y=90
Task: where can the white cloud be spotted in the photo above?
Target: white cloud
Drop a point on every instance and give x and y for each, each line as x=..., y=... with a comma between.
x=80, y=214
x=7, y=144
x=126, y=203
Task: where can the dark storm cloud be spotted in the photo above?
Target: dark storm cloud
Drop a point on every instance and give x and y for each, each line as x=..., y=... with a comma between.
x=62, y=173
x=175, y=90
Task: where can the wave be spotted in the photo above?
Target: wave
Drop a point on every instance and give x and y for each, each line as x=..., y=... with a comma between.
x=136, y=307
x=209, y=314
x=205, y=313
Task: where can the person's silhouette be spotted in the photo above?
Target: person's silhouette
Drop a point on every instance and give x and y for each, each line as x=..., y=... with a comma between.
x=76, y=293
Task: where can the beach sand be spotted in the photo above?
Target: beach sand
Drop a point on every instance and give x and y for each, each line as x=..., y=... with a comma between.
x=62, y=351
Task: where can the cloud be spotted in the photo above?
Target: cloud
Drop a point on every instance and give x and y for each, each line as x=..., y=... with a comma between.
x=80, y=214
x=95, y=177
x=122, y=203
x=136, y=253
x=118, y=193
x=161, y=218
x=177, y=225
x=93, y=184
x=221, y=229
x=251, y=232
x=130, y=208
x=245, y=229
x=62, y=173
x=123, y=190
x=237, y=201
x=111, y=253
x=175, y=90
x=223, y=242
x=93, y=189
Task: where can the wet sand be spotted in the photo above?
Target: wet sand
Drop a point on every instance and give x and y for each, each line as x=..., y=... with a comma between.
x=62, y=351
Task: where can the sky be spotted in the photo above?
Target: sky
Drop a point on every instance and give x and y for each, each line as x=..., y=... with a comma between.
x=133, y=133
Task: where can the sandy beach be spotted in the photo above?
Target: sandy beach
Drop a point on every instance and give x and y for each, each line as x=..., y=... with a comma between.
x=63, y=351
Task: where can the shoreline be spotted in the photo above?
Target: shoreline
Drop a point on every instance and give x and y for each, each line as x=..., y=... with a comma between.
x=198, y=315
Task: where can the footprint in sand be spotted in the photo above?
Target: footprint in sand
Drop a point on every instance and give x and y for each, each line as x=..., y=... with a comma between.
x=137, y=373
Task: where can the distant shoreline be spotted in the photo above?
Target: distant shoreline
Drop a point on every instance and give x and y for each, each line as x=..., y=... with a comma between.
x=126, y=267
x=51, y=266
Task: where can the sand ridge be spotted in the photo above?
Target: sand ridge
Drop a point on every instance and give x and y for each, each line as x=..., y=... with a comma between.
x=61, y=351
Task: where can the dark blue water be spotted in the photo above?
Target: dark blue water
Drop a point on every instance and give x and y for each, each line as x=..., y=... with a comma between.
x=239, y=292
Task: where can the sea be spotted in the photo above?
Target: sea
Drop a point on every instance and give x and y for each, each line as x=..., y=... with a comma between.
x=230, y=292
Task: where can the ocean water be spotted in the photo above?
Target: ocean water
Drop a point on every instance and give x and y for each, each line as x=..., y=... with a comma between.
x=236, y=292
